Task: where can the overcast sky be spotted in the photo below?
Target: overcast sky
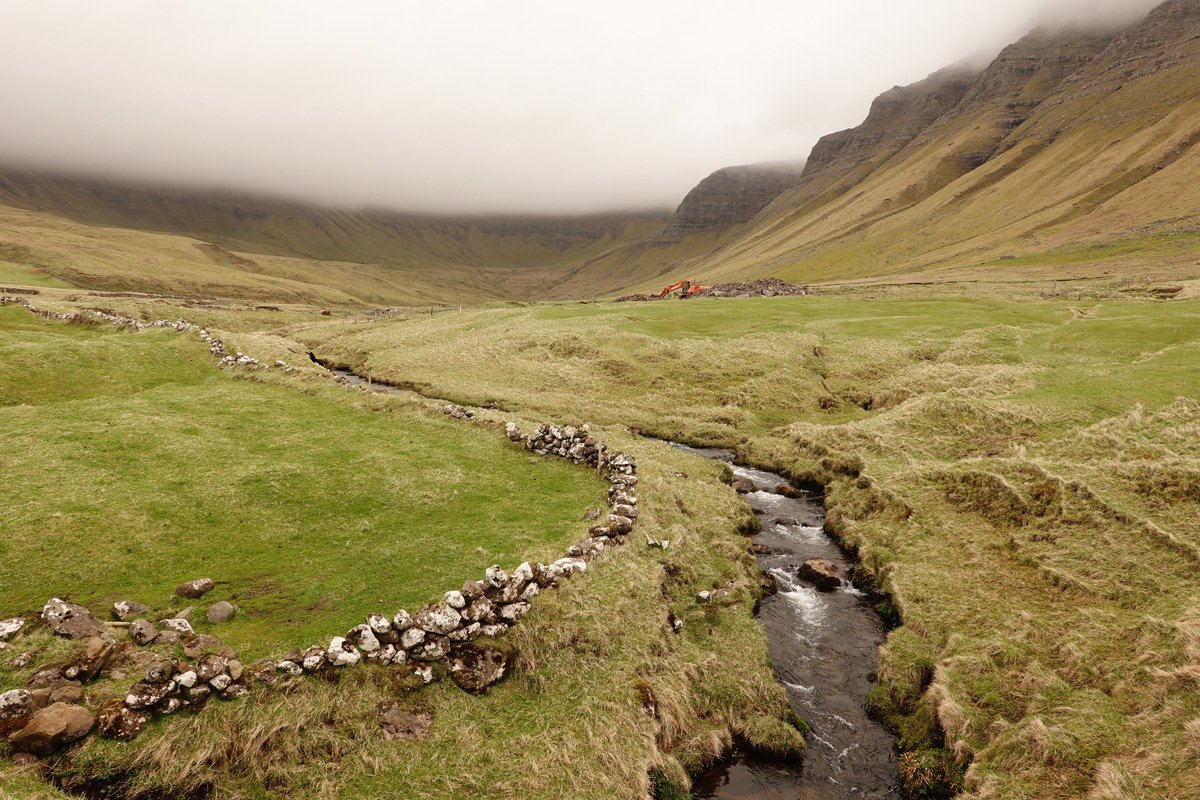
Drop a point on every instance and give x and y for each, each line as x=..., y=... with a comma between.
x=468, y=105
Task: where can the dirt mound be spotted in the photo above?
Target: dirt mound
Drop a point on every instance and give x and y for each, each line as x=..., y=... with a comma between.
x=764, y=287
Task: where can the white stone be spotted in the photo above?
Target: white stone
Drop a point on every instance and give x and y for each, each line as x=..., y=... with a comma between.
x=290, y=668
x=531, y=591
x=379, y=623
x=180, y=626
x=495, y=577
x=411, y=638
x=402, y=621
x=9, y=628
x=363, y=638
x=514, y=611
x=455, y=600
x=426, y=672
x=341, y=653
x=570, y=566
x=187, y=679
x=221, y=682
x=524, y=573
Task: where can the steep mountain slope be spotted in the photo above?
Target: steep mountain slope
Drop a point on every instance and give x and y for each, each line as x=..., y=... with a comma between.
x=1070, y=147
x=728, y=197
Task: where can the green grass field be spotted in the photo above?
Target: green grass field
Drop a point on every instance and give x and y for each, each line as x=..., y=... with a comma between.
x=133, y=465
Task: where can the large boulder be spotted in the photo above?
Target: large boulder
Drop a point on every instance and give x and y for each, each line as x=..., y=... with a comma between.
x=475, y=667
x=437, y=618
x=195, y=589
x=53, y=728
x=821, y=573
x=70, y=620
x=787, y=490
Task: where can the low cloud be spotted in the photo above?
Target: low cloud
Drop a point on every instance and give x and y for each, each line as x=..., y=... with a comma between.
x=473, y=105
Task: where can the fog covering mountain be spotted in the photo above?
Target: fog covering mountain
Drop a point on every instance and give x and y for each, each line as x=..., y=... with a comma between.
x=1070, y=137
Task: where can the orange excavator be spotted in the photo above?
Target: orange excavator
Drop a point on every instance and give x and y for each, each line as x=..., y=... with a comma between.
x=687, y=286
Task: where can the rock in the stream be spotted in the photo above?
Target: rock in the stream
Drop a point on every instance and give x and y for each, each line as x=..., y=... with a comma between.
x=475, y=667
x=195, y=589
x=787, y=490
x=820, y=572
x=70, y=620
x=789, y=521
x=220, y=612
x=743, y=486
x=53, y=728
x=127, y=610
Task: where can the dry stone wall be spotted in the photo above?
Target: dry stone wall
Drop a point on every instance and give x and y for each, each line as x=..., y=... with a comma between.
x=444, y=632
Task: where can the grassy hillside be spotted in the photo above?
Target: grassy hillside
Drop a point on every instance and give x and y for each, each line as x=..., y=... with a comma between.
x=1020, y=476
x=105, y=235
x=1069, y=141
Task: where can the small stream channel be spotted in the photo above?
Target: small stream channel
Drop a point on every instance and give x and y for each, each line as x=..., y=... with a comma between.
x=824, y=646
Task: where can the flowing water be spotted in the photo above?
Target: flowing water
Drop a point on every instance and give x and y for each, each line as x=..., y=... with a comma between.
x=824, y=646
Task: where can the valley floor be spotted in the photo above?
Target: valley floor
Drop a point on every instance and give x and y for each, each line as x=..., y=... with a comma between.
x=1020, y=477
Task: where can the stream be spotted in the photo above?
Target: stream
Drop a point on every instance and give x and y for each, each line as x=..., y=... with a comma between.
x=824, y=646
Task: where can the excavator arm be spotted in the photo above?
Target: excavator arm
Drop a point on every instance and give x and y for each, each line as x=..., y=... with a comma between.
x=687, y=286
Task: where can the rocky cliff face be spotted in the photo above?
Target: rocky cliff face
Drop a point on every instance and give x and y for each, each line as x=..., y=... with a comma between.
x=728, y=197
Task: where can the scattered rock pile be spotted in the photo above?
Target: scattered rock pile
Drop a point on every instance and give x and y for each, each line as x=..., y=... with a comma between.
x=764, y=287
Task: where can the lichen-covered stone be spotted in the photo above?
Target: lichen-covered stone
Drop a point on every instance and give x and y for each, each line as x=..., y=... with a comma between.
x=70, y=620
x=118, y=721
x=495, y=577
x=127, y=610
x=178, y=625
x=16, y=708
x=379, y=624
x=455, y=600
x=160, y=670
x=402, y=621
x=438, y=618
x=195, y=589
x=474, y=668
x=512, y=612
x=342, y=653
x=10, y=627
x=362, y=637
x=144, y=695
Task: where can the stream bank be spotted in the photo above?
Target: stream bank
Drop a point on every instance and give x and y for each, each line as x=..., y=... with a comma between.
x=824, y=646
